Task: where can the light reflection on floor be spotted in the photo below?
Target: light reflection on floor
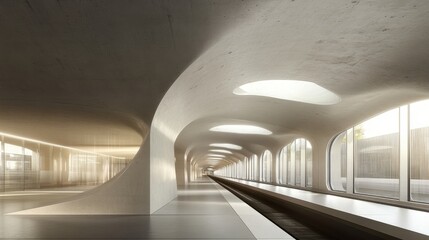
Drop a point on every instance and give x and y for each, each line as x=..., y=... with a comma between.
x=199, y=212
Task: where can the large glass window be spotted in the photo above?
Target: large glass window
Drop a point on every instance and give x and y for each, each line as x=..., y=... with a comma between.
x=246, y=168
x=376, y=155
x=290, y=163
x=298, y=161
x=239, y=168
x=419, y=151
x=295, y=165
x=282, y=167
x=32, y=165
x=308, y=164
x=254, y=162
x=266, y=163
x=14, y=162
x=2, y=166
x=390, y=155
x=338, y=163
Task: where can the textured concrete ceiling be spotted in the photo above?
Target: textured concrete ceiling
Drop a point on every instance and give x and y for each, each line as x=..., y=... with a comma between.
x=373, y=54
x=95, y=71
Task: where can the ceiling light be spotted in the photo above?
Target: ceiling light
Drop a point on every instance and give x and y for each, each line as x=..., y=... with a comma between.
x=226, y=145
x=221, y=151
x=215, y=155
x=241, y=129
x=214, y=158
x=293, y=90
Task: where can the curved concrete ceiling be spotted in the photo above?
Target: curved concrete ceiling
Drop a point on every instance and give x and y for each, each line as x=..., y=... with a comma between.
x=374, y=55
x=173, y=65
x=120, y=59
x=62, y=60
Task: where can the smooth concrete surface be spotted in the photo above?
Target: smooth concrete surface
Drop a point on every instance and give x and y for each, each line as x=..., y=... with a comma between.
x=175, y=64
x=373, y=54
x=399, y=222
x=199, y=212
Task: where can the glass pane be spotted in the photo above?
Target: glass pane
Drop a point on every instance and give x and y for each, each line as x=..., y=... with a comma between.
x=308, y=164
x=91, y=169
x=31, y=165
x=46, y=173
x=338, y=163
x=419, y=151
x=255, y=168
x=290, y=171
x=282, y=166
x=2, y=167
x=242, y=169
x=65, y=170
x=56, y=166
x=279, y=168
x=262, y=168
x=298, y=149
x=267, y=159
x=376, y=155
x=14, y=164
x=245, y=169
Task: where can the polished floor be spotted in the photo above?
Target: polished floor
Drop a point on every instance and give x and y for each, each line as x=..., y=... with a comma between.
x=202, y=210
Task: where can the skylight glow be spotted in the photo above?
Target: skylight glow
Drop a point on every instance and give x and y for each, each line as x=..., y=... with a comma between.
x=220, y=151
x=226, y=145
x=292, y=90
x=241, y=129
x=215, y=155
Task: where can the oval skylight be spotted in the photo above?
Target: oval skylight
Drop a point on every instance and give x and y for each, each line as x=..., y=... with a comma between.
x=293, y=90
x=220, y=151
x=215, y=155
x=241, y=129
x=214, y=158
x=226, y=145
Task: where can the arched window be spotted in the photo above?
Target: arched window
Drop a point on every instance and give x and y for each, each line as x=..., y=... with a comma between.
x=282, y=166
x=254, y=167
x=387, y=154
x=419, y=151
x=308, y=164
x=295, y=164
x=266, y=163
x=338, y=164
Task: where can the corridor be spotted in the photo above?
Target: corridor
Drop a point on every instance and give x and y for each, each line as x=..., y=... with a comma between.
x=202, y=210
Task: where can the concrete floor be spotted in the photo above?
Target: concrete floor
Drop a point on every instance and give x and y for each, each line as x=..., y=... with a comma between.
x=199, y=212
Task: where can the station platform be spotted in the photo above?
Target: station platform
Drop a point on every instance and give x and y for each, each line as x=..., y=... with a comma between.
x=202, y=210
x=397, y=222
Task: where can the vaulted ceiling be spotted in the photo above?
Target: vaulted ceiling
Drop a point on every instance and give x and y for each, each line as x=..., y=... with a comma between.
x=94, y=72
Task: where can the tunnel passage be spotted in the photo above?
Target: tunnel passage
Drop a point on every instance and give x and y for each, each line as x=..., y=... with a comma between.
x=299, y=221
